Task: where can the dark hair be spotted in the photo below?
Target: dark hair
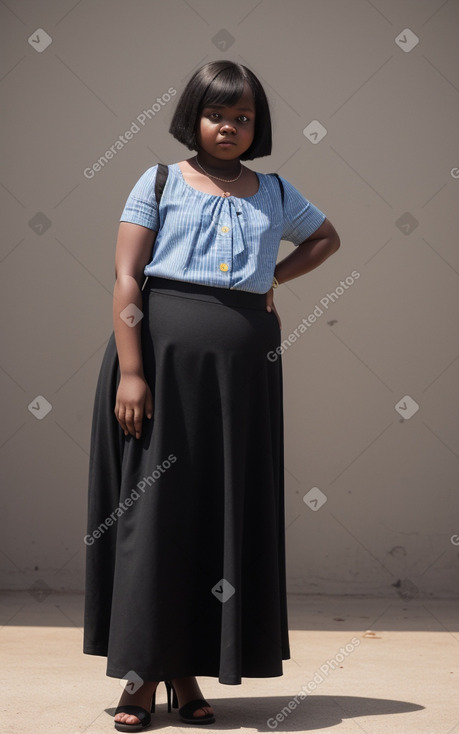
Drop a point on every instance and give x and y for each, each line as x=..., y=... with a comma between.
x=221, y=82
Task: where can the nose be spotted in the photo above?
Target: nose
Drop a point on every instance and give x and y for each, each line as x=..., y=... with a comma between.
x=227, y=127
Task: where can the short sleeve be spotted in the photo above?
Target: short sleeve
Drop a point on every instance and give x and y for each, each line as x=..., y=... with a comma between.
x=141, y=206
x=301, y=217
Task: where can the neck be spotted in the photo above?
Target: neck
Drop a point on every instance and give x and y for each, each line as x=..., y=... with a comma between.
x=215, y=165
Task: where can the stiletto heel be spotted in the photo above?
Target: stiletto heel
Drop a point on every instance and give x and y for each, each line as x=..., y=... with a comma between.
x=169, y=688
x=187, y=711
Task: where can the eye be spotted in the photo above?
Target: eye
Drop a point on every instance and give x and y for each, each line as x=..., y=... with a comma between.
x=216, y=115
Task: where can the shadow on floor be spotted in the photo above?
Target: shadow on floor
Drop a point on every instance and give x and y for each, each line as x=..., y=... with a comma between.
x=309, y=714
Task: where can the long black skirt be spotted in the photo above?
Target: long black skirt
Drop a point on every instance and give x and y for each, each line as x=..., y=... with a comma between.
x=185, y=544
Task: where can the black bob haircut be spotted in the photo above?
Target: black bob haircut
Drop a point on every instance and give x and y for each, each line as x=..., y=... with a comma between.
x=221, y=82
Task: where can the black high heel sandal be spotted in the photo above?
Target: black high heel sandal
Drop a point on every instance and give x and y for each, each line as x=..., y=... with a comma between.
x=143, y=715
x=187, y=711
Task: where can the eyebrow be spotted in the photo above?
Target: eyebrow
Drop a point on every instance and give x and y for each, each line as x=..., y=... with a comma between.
x=221, y=106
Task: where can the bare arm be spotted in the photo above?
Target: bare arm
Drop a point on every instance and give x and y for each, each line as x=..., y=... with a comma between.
x=133, y=251
x=309, y=254
x=305, y=257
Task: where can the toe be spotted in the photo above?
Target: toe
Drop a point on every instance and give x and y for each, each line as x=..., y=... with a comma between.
x=126, y=719
x=202, y=712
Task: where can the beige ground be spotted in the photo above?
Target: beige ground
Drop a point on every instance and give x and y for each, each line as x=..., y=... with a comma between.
x=404, y=679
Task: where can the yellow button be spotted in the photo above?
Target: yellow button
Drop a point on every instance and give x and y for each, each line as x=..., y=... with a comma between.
x=224, y=267
x=225, y=229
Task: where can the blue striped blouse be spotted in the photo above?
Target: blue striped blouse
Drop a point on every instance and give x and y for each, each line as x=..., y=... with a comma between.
x=230, y=242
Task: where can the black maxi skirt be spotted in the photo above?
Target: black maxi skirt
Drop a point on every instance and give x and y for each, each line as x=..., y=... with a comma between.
x=185, y=544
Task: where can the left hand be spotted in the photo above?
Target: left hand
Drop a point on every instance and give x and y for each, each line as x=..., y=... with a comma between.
x=270, y=305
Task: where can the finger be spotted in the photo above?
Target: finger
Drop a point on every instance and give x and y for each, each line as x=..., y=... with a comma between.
x=119, y=413
x=130, y=421
x=149, y=404
x=269, y=300
x=138, y=416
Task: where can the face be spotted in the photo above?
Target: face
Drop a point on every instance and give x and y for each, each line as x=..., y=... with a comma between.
x=226, y=133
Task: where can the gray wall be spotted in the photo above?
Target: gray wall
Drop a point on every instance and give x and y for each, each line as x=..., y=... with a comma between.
x=386, y=173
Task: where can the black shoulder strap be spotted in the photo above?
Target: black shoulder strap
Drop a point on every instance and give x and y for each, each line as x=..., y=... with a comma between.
x=160, y=182
x=281, y=187
x=161, y=177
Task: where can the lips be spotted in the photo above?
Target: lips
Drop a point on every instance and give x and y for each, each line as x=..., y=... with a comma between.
x=226, y=142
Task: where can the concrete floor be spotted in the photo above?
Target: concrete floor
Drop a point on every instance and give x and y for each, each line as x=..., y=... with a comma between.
x=402, y=679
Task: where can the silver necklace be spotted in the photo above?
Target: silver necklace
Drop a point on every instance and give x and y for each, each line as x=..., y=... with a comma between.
x=226, y=180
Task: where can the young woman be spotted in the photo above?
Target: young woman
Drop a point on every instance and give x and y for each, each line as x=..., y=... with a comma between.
x=185, y=572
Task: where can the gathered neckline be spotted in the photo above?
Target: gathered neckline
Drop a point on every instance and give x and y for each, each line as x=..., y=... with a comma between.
x=217, y=196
